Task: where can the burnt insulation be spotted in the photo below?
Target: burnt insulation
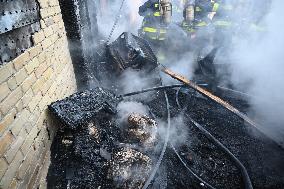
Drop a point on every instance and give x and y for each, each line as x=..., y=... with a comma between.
x=82, y=106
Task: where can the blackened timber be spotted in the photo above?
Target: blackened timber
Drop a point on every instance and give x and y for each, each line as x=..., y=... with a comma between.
x=78, y=28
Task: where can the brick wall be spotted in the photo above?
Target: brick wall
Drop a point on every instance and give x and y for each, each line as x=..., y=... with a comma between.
x=29, y=83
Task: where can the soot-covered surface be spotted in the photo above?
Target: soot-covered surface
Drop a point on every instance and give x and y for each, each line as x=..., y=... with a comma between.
x=80, y=107
x=262, y=157
x=80, y=156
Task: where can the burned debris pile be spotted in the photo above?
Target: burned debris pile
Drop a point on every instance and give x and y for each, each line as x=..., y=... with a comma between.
x=91, y=102
x=165, y=137
x=105, y=151
x=99, y=152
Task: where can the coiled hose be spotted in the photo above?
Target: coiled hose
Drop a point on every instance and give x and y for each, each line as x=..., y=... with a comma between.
x=246, y=178
x=167, y=137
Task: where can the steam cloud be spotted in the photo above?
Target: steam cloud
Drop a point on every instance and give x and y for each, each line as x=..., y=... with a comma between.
x=256, y=58
x=129, y=20
x=259, y=59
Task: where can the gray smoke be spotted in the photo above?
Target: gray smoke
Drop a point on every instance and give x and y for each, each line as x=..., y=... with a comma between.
x=129, y=20
x=258, y=59
x=125, y=108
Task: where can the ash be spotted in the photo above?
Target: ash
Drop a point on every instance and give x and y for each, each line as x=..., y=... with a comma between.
x=98, y=152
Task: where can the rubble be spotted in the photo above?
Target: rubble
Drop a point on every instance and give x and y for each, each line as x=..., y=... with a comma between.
x=142, y=129
x=80, y=107
x=99, y=159
x=129, y=168
x=104, y=154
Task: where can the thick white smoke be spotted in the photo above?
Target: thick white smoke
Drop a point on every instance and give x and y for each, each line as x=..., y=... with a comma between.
x=129, y=21
x=258, y=57
x=125, y=108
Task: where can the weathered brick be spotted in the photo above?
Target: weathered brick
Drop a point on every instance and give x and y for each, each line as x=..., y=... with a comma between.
x=46, y=43
x=52, y=89
x=28, y=126
x=42, y=57
x=30, y=67
x=44, y=102
x=14, y=148
x=57, y=18
x=42, y=120
x=46, y=87
x=3, y=167
x=34, y=51
x=20, y=76
x=40, y=149
x=34, y=117
x=13, y=184
x=40, y=69
x=29, y=140
x=55, y=28
x=38, y=84
x=4, y=90
x=19, y=122
x=5, y=142
x=11, y=172
x=34, y=102
x=11, y=100
x=12, y=83
x=34, y=176
x=26, y=178
x=29, y=160
x=61, y=24
x=19, y=106
x=49, y=21
x=26, y=99
x=7, y=121
x=48, y=31
x=42, y=24
x=56, y=10
x=44, y=13
x=6, y=71
x=54, y=39
x=48, y=73
x=26, y=85
x=43, y=3
x=21, y=60
x=38, y=37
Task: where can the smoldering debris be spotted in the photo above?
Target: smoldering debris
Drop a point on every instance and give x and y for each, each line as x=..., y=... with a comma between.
x=82, y=106
x=103, y=152
x=129, y=168
x=142, y=129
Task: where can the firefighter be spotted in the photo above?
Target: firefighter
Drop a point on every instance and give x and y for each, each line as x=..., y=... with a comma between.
x=196, y=15
x=197, y=23
x=154, y=27
x=188, y=17
x=157, y=17
x=223, y=22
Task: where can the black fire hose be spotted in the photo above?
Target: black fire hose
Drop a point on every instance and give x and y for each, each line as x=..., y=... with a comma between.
x=167, y=137
x=246, y=178
x=190, y=170
x=248, y=184
x=153, y=89
x=152, y=175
